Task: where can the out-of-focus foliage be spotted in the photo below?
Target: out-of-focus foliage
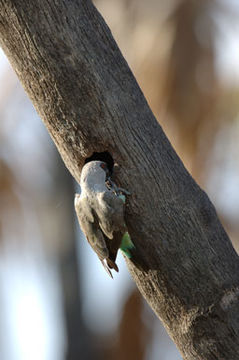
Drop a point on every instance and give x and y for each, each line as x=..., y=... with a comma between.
x=191, y=82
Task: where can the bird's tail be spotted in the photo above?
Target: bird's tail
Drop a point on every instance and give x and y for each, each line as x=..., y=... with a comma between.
x=127, y=245
x=108, y=265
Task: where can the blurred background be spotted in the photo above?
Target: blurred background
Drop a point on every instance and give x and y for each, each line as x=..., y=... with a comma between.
x=57, y=302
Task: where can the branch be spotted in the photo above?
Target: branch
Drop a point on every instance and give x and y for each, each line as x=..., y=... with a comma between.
x=84, y=91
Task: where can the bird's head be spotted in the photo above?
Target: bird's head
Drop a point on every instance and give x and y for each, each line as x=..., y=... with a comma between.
x=94, y=172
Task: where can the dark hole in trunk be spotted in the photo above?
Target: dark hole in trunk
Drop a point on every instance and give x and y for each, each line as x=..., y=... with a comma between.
x=102, y=156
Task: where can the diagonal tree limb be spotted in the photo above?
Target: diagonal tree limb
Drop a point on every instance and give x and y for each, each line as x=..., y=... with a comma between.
x=84, y=91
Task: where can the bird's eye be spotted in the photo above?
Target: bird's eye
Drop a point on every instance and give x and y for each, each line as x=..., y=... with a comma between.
x=103, y=166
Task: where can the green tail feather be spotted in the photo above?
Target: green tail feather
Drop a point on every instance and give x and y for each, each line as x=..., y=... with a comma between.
x=122, y=197
x=127, y=245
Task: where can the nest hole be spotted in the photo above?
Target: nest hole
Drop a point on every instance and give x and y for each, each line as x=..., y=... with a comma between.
x=102, y=156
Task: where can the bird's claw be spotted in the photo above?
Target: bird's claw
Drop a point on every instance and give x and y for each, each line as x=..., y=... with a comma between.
x=117, y=190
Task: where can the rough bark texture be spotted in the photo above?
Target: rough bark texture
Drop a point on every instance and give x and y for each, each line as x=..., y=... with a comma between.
x=71, y=68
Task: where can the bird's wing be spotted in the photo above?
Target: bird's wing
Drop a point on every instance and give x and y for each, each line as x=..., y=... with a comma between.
x=90, y=226
x=110, y=212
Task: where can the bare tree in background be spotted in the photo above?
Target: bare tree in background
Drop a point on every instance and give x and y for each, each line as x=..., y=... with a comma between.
x=55, y=217
x=60, y=201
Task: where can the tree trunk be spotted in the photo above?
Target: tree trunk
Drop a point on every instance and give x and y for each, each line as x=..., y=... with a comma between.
x=71, y=68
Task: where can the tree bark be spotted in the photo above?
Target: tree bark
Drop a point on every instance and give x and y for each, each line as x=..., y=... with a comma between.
x=70, y=66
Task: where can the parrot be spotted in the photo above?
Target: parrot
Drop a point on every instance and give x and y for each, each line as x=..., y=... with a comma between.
x=100, y=212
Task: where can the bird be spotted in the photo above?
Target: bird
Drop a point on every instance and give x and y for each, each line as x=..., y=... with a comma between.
x=100, y=212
